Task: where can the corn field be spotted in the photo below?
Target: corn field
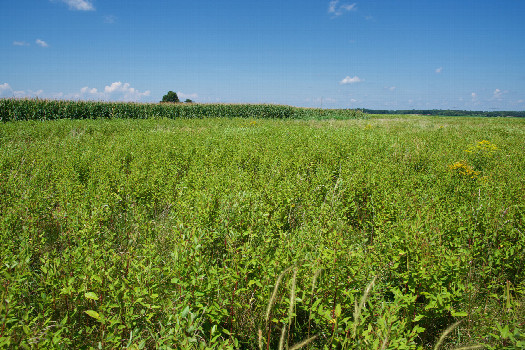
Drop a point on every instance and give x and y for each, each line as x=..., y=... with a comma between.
x=28, y=109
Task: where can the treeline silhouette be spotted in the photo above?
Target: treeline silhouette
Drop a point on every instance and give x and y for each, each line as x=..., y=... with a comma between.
x=448, y=112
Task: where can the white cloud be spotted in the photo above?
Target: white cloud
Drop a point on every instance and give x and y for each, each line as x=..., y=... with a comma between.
x=123, y=92
x=497, y=94
x=349, y=80
x=439, y=70
x=521, y=101
x=87, y=90
x=5, y=90
x=332, y=5
x=182, y=96
x=353, y=100
x=86, y=93
x=391, y=88
x=20, y=43
x=115, y=92
x=79, y=5
x=337, y=10
x=5, y=86
x=41, y=43
x=349, y=7
x=21, y=94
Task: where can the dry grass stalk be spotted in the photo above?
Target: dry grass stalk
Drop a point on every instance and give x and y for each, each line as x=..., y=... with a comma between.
x=274, y=294
x=358, y=309
x=447, y=332
x=290, y=310
x=303, y=343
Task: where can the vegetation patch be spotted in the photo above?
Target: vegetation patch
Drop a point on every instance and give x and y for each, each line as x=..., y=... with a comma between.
x=259, y=233
x=27, y=109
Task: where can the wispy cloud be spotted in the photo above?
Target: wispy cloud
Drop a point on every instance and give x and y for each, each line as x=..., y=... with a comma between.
x=20, y=43
x=497, y=94
x=116, y=91
x=41, y=43
x=337, y=9
x=5, y=90
x=182, y=96
x=439, y=70
x=21, y=94
x=391, y=88
x=520, y=101
x=78, y=5
x=87, y=90
x=110, y=19
x=350, y=80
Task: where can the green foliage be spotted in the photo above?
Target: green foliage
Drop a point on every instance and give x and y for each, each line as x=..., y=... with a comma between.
x=170, y=97
x=227, y=233
x=18, y=109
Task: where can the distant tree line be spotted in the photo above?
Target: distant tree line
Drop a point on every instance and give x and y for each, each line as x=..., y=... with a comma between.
x=448, y=112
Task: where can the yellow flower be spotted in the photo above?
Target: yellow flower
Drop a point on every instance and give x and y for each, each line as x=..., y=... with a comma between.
x=464, y=169
x=484, y=147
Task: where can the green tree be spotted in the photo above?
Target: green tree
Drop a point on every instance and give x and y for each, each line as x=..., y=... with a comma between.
x=170, y=97
x=188, y=101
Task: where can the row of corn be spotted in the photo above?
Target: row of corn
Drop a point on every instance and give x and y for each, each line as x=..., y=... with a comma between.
x=37, y=109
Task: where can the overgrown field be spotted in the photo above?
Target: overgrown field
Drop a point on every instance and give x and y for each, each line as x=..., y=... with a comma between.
x=262, y=233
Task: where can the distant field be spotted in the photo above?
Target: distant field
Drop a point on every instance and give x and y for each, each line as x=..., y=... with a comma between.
x=375, y=233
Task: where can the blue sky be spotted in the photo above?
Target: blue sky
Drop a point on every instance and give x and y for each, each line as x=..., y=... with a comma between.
x=383, y=54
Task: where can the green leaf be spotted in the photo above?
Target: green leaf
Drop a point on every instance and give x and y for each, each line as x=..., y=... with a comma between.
x=459, y=314
x=93, y=314
x=185, y=312
x=91, y=295
x=338, y=310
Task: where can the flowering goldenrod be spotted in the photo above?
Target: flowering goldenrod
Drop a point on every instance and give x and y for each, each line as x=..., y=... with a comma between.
x=464, y=169
x=483, y=147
